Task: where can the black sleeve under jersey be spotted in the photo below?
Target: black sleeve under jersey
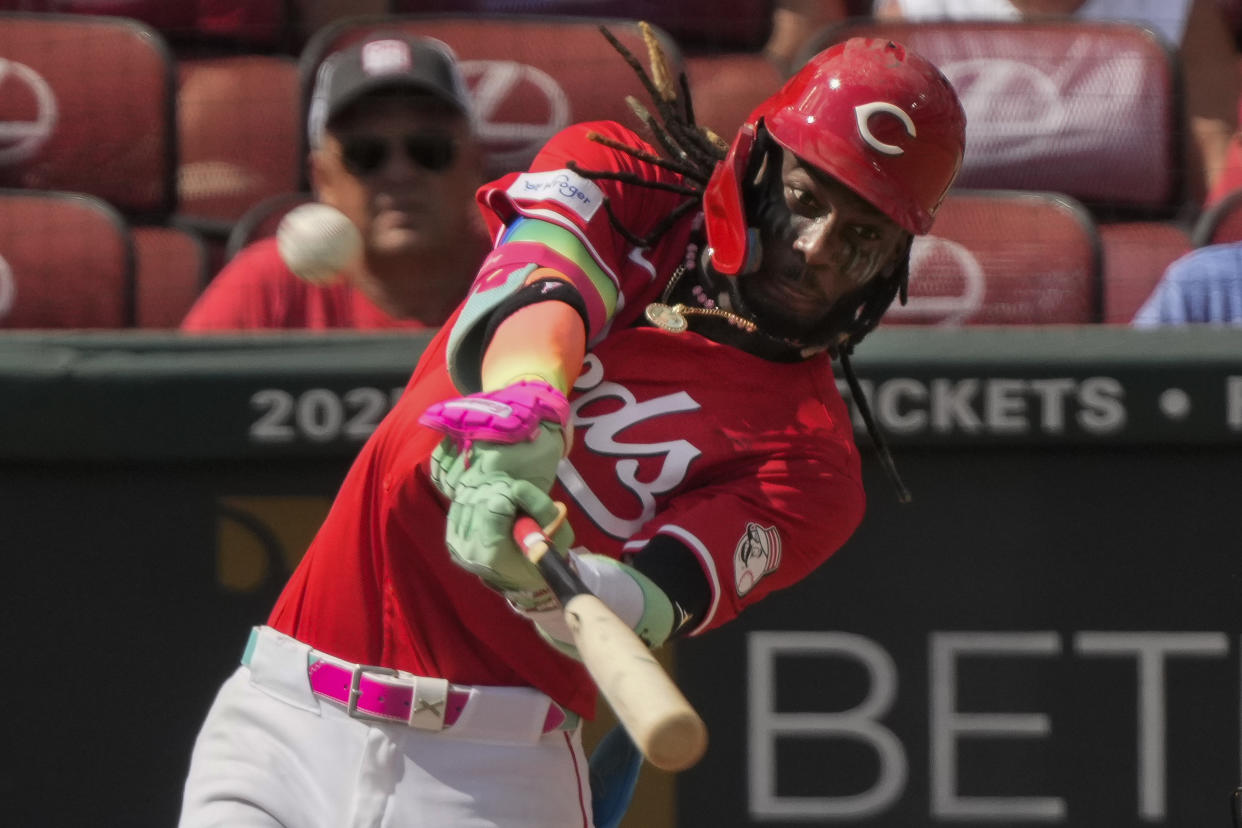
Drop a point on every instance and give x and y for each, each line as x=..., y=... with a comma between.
x=674, y=568
x=543, y=290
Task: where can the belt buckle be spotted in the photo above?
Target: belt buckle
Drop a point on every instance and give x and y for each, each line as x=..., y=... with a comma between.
x=355, y=690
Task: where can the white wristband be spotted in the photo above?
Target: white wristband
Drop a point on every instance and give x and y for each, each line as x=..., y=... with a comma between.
x=612, y=584
x=608, y=581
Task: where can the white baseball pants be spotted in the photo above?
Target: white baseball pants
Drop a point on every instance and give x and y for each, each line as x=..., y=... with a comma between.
x=271, y=753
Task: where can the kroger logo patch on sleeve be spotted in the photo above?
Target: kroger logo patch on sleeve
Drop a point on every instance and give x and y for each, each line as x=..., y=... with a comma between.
x=562, y=186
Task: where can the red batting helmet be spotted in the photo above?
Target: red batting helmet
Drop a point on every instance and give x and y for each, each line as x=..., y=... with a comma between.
x=877, y=117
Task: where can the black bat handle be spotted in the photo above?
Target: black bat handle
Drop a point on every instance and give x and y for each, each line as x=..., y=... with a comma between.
x=554, y=567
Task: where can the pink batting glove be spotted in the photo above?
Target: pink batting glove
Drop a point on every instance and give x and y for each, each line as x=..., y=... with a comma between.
x=507, y=415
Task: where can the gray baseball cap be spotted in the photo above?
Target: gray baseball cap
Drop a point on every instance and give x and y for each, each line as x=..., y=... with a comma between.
x=389, y=60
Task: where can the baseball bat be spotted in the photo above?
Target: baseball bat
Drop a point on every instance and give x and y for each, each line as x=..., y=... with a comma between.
x=650, y=707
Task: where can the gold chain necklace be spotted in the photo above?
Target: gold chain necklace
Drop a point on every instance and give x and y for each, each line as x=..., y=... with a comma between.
x=672, y=318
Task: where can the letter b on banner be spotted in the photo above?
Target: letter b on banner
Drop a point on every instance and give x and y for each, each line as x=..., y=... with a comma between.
x=858, y=724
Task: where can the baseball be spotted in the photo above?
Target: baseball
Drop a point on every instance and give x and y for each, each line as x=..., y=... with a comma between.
x=317, y=242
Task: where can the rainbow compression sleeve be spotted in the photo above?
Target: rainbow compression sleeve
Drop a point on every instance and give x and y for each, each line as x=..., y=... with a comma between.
x=528, y=245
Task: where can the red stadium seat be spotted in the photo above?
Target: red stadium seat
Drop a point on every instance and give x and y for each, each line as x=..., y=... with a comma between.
x=530, y=76
x=726, y=87
x=988, y=261
x=1087, y=108
x=66, y=261
x=1221, y=223
x=1136, y=254
x=170, y=271
x=87, y=105
x=261, y=220
x=240, y=135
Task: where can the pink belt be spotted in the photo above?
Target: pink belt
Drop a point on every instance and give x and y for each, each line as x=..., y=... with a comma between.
x=381, y=693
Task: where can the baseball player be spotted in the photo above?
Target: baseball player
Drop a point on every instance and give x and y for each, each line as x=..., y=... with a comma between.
x=650, y=343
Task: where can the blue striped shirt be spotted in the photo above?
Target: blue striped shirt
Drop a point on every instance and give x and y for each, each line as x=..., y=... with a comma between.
x=1203, y=286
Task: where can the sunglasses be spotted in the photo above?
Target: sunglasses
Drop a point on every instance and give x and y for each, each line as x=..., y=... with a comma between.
x=366, y=154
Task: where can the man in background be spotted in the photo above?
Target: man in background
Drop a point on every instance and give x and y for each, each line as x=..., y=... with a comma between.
x=393, y=148
x=1202, y=287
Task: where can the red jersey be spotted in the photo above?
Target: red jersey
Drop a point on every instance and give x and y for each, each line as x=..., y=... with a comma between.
x=749, y=463
x=258, y=290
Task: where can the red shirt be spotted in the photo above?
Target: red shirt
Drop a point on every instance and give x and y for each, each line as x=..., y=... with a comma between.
x=257, y=290
x=749, y=463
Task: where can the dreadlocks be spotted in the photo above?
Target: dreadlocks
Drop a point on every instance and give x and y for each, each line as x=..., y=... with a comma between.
x=692, y=151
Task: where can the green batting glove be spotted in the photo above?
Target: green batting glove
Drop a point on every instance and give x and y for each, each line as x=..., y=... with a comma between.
x=479, y=534
x=498, y=461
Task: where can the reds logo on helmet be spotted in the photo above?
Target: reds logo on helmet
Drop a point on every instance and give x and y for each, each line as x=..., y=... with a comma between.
x=879, y=118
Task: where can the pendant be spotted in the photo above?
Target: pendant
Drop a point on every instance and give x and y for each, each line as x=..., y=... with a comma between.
x=662, y=316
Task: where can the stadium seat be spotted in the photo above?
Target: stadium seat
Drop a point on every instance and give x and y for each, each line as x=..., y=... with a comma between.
x=261, y=221
x=170, y=270
x=1220, y=223
x=66, y=261
x=240, y=136
x=88, y=106
x=1136, y=254
x=1004, y=258
x=1087, y=108
x=727, y=86
x=530, y=76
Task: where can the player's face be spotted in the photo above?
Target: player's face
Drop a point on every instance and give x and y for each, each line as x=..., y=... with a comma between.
x=834, y=243
x=404, y=169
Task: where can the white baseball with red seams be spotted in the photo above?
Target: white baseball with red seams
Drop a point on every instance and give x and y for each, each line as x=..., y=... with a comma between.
x=317, y=242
